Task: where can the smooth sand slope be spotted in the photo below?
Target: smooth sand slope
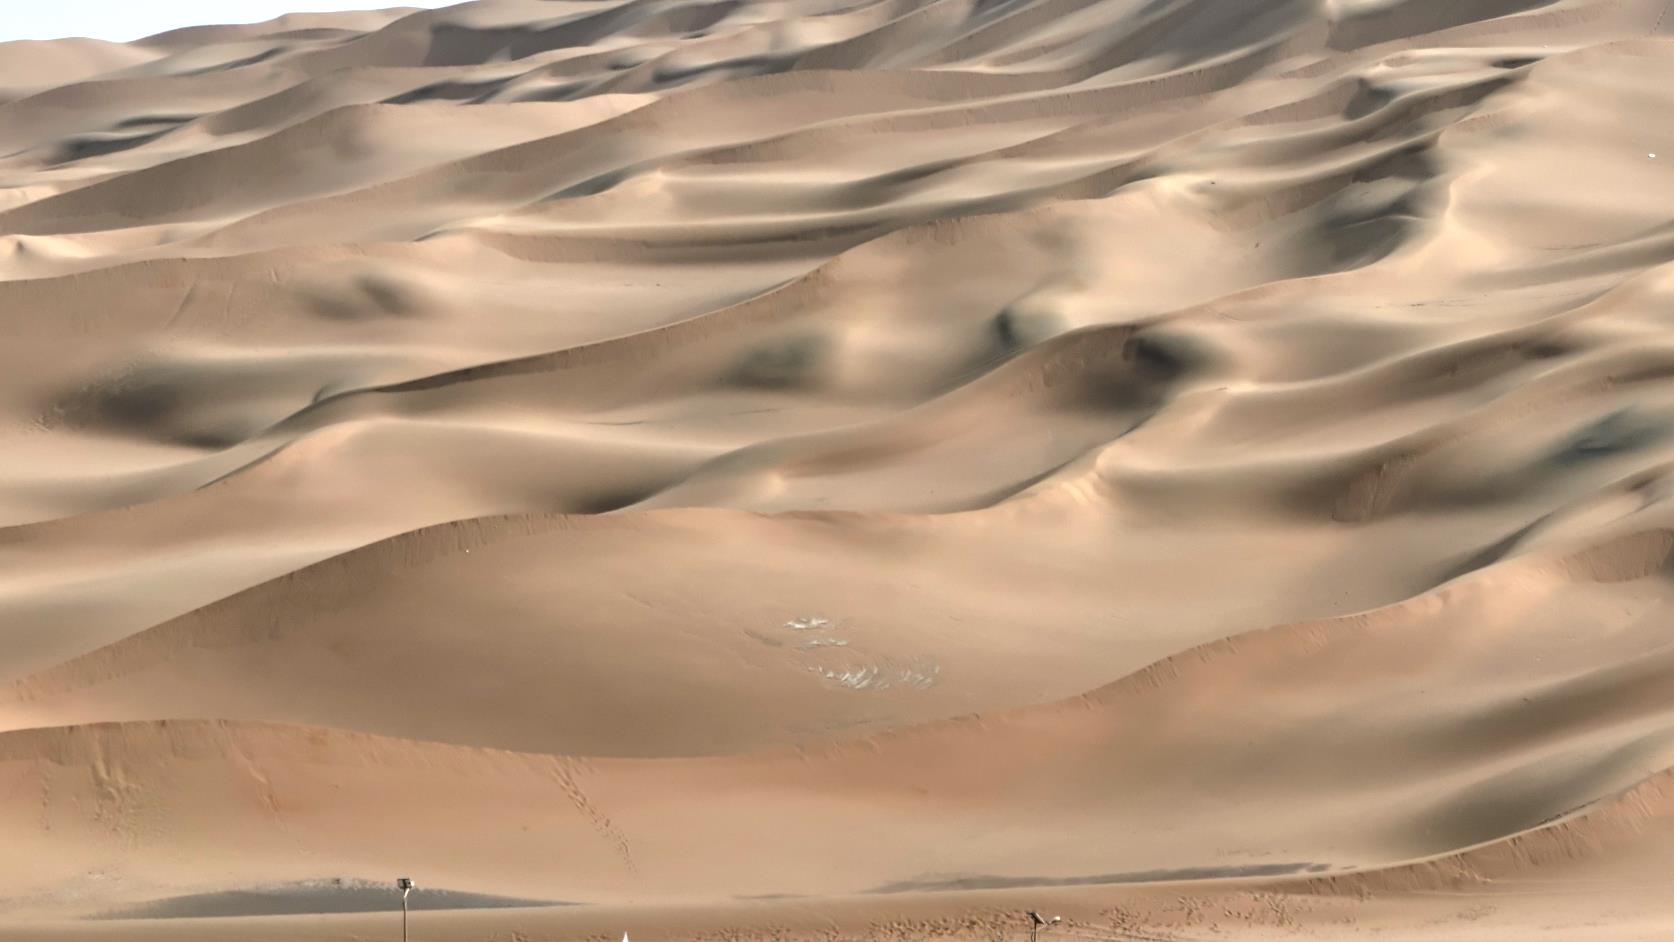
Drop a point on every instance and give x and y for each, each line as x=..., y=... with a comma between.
x=803, y=468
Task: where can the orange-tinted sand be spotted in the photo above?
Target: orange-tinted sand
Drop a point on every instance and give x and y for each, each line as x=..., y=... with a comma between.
x=813, y=469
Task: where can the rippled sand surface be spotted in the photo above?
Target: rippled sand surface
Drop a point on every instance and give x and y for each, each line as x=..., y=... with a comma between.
x=796, y=469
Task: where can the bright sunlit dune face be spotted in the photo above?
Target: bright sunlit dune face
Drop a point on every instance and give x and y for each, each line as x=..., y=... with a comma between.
x=771, y=470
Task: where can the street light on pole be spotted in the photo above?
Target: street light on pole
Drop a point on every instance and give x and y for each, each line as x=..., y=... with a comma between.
x=1038, y=922
x=405, y=886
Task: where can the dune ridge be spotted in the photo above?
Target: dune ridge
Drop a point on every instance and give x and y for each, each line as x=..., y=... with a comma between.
x=841, y=465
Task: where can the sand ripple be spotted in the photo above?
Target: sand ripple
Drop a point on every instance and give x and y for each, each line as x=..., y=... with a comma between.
x=799, y=448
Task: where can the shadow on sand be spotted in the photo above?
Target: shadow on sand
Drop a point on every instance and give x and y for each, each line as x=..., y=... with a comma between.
x=312, y=897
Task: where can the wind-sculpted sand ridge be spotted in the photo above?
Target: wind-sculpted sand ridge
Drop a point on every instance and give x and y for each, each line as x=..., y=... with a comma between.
x=1171, y=740
x=795, y=467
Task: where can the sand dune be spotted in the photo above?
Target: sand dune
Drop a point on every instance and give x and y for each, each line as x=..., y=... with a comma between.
x=804, y=468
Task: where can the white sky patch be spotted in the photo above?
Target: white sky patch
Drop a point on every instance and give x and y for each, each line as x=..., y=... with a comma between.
x=128, y=20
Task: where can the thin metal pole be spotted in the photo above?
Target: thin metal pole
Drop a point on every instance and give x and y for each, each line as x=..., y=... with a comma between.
x=404, y=914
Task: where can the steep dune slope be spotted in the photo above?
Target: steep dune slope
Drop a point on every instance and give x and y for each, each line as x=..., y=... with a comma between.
x=794, y=464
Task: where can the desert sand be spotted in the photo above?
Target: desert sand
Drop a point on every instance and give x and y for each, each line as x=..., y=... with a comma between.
x=831, y=469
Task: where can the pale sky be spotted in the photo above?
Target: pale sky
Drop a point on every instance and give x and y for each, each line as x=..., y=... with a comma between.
x=126, y=20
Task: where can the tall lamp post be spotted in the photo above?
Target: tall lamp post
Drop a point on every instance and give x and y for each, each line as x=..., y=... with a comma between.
x=1037, y=922
x=405, y=886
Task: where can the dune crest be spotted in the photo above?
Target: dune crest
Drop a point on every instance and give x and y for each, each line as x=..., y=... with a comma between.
x=803, y=466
